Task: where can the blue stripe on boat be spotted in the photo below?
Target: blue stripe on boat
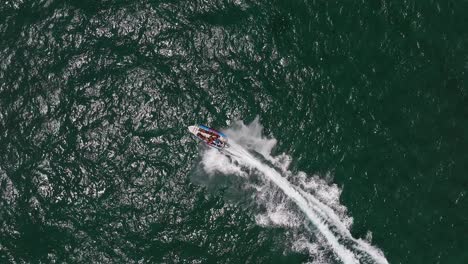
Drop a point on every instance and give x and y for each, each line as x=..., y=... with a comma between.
x=210, y=129
x=204, y=127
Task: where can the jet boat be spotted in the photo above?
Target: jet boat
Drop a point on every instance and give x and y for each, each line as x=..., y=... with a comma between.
x=210, y=136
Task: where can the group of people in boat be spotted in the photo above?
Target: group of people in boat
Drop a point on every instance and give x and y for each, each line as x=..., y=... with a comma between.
x=212, y=138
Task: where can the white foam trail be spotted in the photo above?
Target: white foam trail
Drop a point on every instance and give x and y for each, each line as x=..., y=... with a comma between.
x=327, y=213
x=343, y=253
x=332, y=224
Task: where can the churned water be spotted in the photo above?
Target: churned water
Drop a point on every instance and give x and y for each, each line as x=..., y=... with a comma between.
x=314, y=197
x=358, y=154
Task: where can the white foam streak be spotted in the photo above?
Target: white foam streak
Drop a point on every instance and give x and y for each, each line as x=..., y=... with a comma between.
x=328, y=214
x=317, y=200
x=343, y=253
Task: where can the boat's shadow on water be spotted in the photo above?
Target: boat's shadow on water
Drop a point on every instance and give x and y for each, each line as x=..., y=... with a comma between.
x=239, y=187
x=230, y=186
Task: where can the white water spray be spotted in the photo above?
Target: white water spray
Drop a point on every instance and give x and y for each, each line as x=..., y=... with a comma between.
x=317, y=200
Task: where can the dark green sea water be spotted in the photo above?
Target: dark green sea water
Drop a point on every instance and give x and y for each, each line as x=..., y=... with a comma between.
x=97, y=166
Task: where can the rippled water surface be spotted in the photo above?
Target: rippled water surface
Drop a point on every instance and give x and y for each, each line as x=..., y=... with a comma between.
x=365, y=101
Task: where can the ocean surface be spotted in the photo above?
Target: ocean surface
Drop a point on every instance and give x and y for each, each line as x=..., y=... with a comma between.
x=347, y=121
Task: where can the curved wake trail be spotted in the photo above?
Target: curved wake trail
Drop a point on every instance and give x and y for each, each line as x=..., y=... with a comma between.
x=318, y=201
x=344, y=254
x=327, y=213
x=319, y=214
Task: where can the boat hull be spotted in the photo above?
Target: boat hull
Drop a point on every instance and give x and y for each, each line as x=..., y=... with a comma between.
x=211, y=137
